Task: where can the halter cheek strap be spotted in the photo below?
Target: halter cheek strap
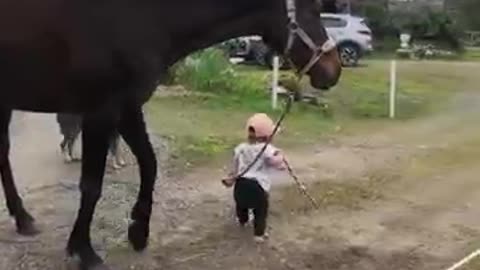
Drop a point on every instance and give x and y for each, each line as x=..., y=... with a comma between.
x=295, y=30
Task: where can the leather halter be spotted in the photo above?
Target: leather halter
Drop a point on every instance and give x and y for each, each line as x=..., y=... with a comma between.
x=295, y=30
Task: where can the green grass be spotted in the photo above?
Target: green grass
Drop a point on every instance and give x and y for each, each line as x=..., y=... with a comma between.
x=204, y=128
x=471, y=54
x=201, y=129
x=472, y=265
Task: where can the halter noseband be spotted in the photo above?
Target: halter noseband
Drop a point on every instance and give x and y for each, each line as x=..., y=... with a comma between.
x=296, y=30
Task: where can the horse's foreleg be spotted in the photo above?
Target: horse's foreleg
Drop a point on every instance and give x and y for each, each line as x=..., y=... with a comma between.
x=133, y=130
x=95, y=137
x=24, y=221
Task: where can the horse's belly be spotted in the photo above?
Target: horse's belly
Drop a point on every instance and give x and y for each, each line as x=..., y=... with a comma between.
x=44, y=81
x=53, y=104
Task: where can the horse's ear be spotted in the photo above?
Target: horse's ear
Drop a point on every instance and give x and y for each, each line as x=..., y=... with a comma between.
x=329, y=6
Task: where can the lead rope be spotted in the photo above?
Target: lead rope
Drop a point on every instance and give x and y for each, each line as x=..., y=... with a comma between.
x=300, y=185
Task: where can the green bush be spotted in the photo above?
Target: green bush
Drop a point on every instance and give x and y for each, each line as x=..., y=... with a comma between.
x=430, y=25
x=211, y=71
x=378, y=19
x=207, y=71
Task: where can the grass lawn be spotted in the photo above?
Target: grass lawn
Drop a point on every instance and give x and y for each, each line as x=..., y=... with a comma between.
x=472, y=54
x=206, y=127
x=472, y=265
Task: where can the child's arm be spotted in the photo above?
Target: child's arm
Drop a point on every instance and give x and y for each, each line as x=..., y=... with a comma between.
x=233, y=172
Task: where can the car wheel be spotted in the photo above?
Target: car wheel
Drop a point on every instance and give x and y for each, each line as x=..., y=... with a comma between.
x=258, y=52
x=349, y=54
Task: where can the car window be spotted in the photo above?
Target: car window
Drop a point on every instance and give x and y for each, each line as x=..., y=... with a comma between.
x=330, y=22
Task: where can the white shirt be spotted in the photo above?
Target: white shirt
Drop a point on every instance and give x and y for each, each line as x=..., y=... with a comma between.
x=246, y=153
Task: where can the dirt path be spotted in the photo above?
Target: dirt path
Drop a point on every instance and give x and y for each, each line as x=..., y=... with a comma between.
x=424, y=217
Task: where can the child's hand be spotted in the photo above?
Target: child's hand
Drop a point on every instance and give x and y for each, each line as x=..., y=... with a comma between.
x=276, y=160
x=228, y=181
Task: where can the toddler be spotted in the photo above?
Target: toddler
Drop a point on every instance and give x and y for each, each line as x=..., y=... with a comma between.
x=251, y=190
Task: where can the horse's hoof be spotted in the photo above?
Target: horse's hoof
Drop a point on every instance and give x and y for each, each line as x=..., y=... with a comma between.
x=86, y=259
x=27, y=227
x=138, y=236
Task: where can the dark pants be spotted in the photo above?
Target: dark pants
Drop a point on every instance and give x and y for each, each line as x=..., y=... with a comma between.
x=248, y=194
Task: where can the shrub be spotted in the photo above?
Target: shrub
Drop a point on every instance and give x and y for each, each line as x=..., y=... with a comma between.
x=430, y=25
x=211, y=71
x=207, y=71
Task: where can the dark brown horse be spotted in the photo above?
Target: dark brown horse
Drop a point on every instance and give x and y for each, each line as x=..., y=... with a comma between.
x=102, y=59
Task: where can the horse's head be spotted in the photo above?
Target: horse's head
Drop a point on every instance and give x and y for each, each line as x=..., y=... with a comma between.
x=296, y=31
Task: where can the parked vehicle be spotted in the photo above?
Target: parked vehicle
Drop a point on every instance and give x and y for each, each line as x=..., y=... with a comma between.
x=252, y=49
x=352, y=34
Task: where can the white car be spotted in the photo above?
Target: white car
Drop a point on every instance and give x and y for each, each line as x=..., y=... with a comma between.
x=352, y=35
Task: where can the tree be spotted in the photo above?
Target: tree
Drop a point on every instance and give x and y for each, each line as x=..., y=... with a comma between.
x=428, y=25
x=469, y=12
x=378, y=18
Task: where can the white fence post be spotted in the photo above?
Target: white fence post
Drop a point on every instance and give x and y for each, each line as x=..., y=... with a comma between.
x=275, y=82
x=393, y=87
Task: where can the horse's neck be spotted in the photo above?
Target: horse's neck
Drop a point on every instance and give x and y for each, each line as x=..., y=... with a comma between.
x=216, y=21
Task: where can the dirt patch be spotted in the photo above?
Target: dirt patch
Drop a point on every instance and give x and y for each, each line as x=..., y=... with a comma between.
x=363, y=258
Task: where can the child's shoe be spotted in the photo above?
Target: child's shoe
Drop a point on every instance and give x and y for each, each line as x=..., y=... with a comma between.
x=260, y=239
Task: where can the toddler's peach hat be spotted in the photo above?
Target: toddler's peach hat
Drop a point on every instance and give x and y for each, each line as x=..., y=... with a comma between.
x=262, y=124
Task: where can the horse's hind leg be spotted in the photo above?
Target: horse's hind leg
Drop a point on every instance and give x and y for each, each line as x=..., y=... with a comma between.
x=24, y=221
x=133, y=130
x=96, y=132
